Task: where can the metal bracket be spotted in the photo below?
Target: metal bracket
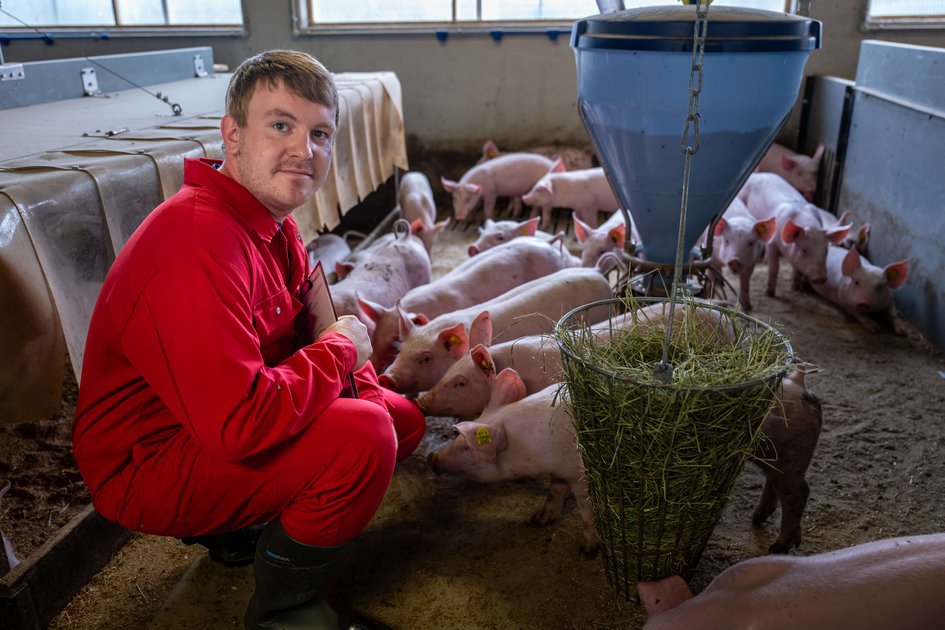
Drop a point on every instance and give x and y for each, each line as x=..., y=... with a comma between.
x=12, y=72
x=90, y=82
x=198, y=66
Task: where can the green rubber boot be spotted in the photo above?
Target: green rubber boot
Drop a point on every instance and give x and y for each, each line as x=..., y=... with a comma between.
x=291, y=582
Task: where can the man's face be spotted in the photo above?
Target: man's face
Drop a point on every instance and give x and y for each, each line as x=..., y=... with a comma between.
x=283, y=153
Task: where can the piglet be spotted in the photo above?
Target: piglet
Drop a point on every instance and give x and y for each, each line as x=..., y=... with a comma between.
x=473, y=281
x=510, y=175
x=586, y=191
x=738, y=243
x=799, y=170
x=889, y=583
x=416, y=203
x=611, y=236
x=384, y=272
x=493, y=233
x=790, y=431
x=463, y=391
x=800, y=235
x=574, y=158
x=859, y=235
x=522, y=436
x=427, y=351
x=328, y=249
x=862, y=289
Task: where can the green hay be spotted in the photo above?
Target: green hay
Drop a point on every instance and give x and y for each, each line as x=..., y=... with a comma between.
x=661, y=459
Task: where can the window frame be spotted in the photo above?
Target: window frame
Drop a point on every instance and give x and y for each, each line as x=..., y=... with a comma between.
x=301, y=25
x=890, y=23
x=122, y=30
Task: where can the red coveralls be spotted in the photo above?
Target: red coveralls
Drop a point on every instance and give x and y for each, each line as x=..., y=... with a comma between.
x=200, y=409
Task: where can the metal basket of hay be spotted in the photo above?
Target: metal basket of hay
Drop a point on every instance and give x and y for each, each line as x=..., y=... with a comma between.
x=661, y=458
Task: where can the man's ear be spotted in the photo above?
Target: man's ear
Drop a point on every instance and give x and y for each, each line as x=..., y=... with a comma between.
x=231, y=133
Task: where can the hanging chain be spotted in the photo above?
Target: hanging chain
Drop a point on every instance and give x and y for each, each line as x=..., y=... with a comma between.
x=664, y=371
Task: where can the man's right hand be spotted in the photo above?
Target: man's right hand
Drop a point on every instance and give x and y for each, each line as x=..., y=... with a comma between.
x=352, y=328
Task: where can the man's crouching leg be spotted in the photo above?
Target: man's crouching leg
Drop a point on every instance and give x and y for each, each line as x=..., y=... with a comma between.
x=299, y=554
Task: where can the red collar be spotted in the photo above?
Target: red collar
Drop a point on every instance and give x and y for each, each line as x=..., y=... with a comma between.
x=201, y=172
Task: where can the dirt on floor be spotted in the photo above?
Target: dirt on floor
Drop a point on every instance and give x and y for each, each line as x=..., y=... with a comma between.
x=445, y=552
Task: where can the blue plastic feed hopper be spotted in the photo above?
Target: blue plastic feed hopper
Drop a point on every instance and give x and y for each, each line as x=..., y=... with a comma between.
x=633, y=70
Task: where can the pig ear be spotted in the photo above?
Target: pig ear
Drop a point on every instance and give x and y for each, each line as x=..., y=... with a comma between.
x=837, y=234
x=482, y=359
x=545, y=185
x=528, y=228
x=489, y=150
x=765, y=229
x=486, y=441
x=448, y=184
x=372, y=309
x=474, y=188
x=342, y=269
x=846, y=217
x=439, y=227
x=896, y=273
x=788, y=163
x=557, y=166
x=581, y=230
x=720, y=226
x=618, y=235
x=863, y=237
x=819, y=153
x=406, y=325
x=791, y=231
x=454, y=340
x=851, y=262
x=506, y=388
x=480, y=331
x=485, y=226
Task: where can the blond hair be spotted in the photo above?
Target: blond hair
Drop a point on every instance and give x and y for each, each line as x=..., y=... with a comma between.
x=299, y=72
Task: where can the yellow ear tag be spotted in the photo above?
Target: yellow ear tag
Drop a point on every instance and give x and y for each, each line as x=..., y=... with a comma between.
x=453, y=340
x=524, y=232
x=483, y=436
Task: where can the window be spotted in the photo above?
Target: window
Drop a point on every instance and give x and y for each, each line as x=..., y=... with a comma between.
x=67, y=14
x=905, y=14
x=331, y=14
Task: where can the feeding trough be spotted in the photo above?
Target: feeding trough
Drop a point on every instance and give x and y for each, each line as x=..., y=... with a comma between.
x=667, y=410
x=633, y=75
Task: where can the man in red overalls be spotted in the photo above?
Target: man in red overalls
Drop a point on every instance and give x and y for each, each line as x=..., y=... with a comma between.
x=202, y=410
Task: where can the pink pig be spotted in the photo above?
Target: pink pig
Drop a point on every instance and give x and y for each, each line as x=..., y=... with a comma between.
x=494, y=233
x=509, y=175
x=416, y=203
x=889, y=583
x=859, y=235
x=738, y=243
x=799, y=170
x=463, y=391
x=611, y=236
x=474, y=281
x=522, y=436
x=383, y=273
x=586, y=191
x=800, y=235
x=863, y=289
x=427, y=351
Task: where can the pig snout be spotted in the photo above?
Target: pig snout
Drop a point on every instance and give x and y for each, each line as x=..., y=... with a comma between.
x=735, y=265
x=387, y=381
x=473, y=250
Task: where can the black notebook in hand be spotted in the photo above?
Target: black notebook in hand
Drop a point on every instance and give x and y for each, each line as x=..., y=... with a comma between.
x=321, y=311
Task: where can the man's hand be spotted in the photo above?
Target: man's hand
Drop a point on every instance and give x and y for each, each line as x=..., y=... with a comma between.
x=352, y=328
